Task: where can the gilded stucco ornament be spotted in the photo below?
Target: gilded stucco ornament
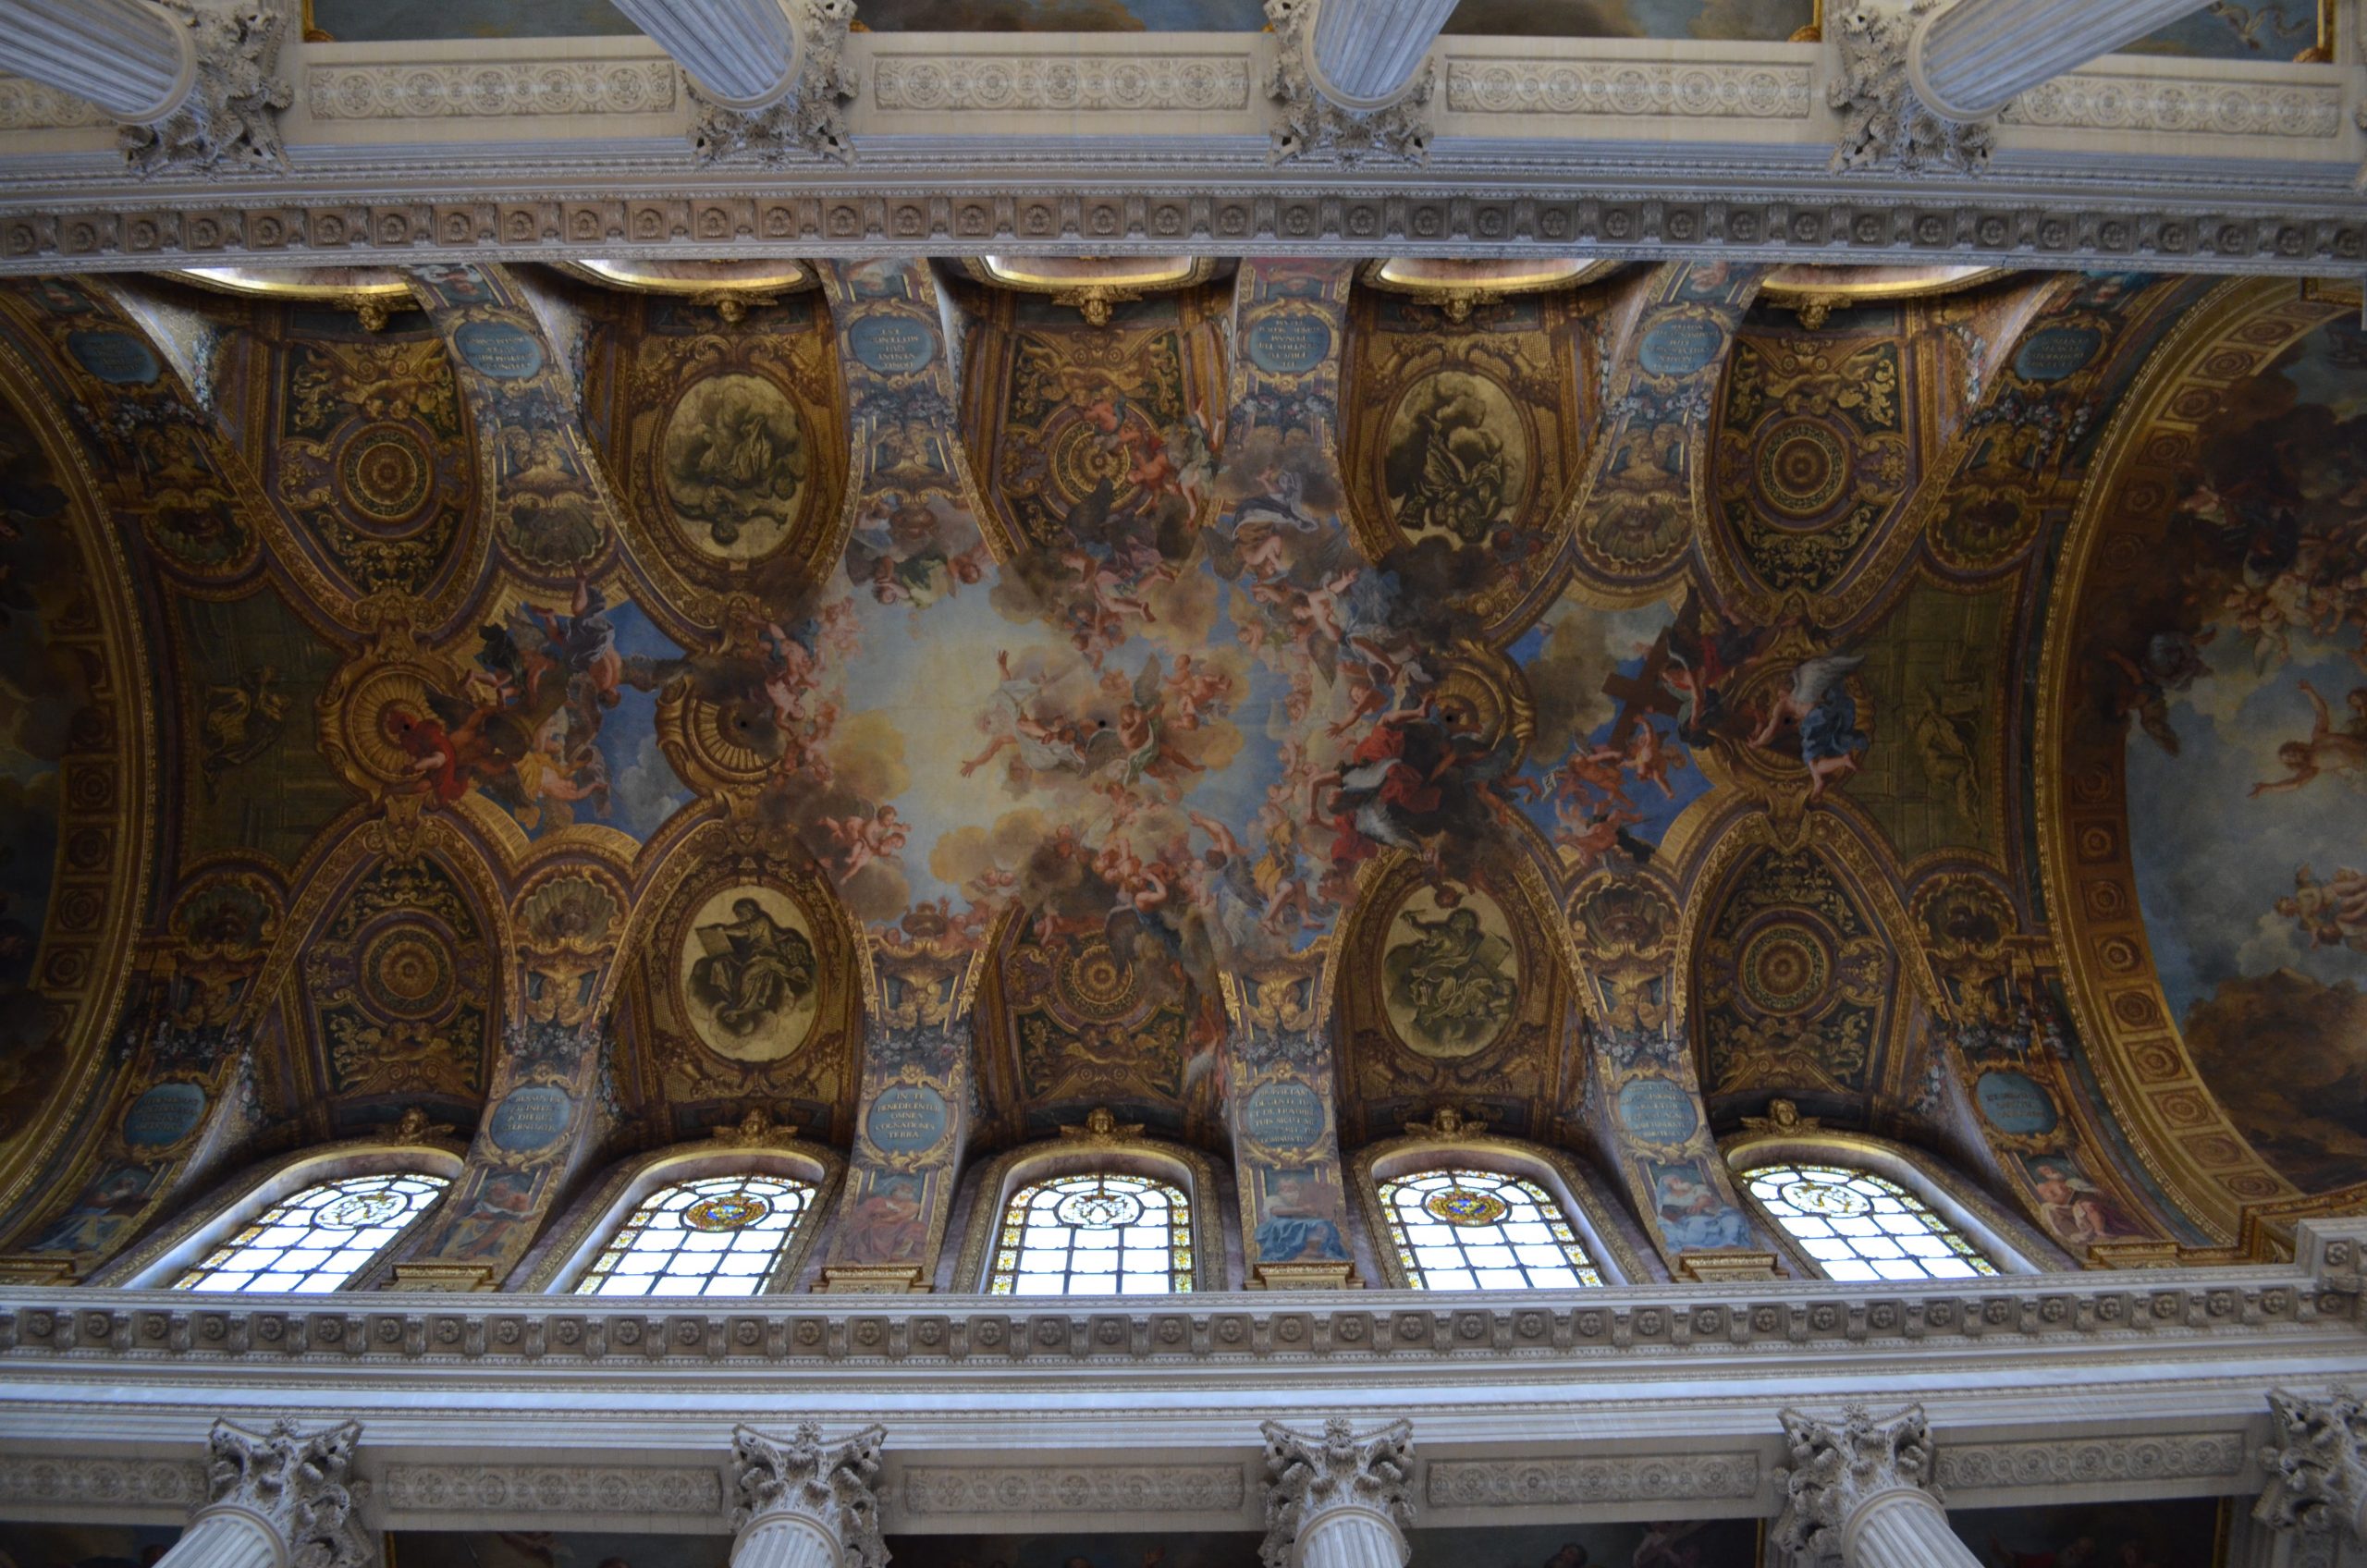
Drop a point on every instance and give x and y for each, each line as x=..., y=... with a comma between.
x=1884, y=124
x=1837, y=1471
x=809, y=121
x=1311, y=127
x=230, y=119
x=296, y=1481
x=834, y=1485
x=1308, y=1476
x=2317, y=1467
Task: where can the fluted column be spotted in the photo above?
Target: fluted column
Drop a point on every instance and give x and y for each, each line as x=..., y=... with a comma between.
x=806, y=1504
x=1863, y=1495
x=276, y=1499
x=2317, y=1467
x=131, y=58
x=1970, y=59
x=1340, y=1501
x=1365, y=51
x=743, y=52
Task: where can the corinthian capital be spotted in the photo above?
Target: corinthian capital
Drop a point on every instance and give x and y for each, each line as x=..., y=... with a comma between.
x=2317, y=1467
x=295, y=1483
x=1310, y=125
x=1835, y=1471
x=1307, y=1478
x=808, y=121
x=1884, y=124
x=830, y=1484
x=230, y=113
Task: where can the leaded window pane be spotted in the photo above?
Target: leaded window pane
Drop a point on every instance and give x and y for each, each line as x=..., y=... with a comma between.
x=1857, y=1225
x=718, y=1236
x=1477, y=1230
x=316, y=1240
x=1098, y=1233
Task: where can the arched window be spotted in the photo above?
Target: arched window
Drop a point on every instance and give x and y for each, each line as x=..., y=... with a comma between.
x=318, y=1239
x=718, y=1236
x=1856, y=1225
x=1096, y=1233
x=1459, y=1229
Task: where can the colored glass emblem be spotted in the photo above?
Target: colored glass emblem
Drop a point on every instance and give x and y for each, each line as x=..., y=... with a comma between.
x=1483, y=1231
x=319, y=1239
x=1856, y=1225
x=1098, y=1233
x=718, y=1236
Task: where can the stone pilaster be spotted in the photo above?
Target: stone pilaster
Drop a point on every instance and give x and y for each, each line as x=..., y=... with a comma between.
x=1969, y=60
x=1367, y=52
x=277, y=1498
x=1314, y=125
x=806, y=1503
x=2317, y=1467
x=1339, y=1501
x=1862, y=1494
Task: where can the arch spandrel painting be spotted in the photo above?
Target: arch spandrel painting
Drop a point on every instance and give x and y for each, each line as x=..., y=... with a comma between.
x=1449, y=972
x=2219, y=666
x=749, y=973
x=734, y=461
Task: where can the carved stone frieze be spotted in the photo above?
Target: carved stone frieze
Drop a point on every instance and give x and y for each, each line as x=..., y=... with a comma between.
x=2317, y=1466
x=526, y=1490
x=2095, y=101
x=1884, y=124
x=1309, y=1476
x=1496, y=1483
x=2180, y=1456
x=808, y=122
x=296, y=1480
x=1310, y=126
x=1116, y=1489
x=1629, y=88
x=29, y=106
x=1031, y=83
x=490, y=90
x=230, y=122
x=833, y=1485
x=1838, y=1470
x=105, y=1484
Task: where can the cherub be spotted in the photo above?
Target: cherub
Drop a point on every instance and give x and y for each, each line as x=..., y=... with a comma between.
x=862, y=840
x=2340, y=751
x=1193, y=689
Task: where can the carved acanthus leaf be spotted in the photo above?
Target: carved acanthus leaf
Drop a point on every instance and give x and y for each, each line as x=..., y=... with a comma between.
x=1308, y=1476
x=1884, y=124
x=1312, y=128
x=1838, y=1470
x=2317, y=1467
x=231, y=116
x=300, y=1481
x=835, y=1485
x=807, y=122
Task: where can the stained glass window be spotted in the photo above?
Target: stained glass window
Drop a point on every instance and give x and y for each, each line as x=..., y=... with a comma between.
x=1105, y=1234
x=1483, y=1231
x=1857, y=1225
x=718, y=1236
x=319, y=1239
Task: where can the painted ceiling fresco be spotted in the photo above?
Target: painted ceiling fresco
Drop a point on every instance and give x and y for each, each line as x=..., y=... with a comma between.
x=905, y=711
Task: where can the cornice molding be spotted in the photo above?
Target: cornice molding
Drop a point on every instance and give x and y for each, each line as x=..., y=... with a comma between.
x=2007, y=1316
x=1871, y=227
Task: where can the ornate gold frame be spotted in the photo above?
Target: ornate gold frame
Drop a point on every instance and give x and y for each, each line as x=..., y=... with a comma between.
x=2148, y=1079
